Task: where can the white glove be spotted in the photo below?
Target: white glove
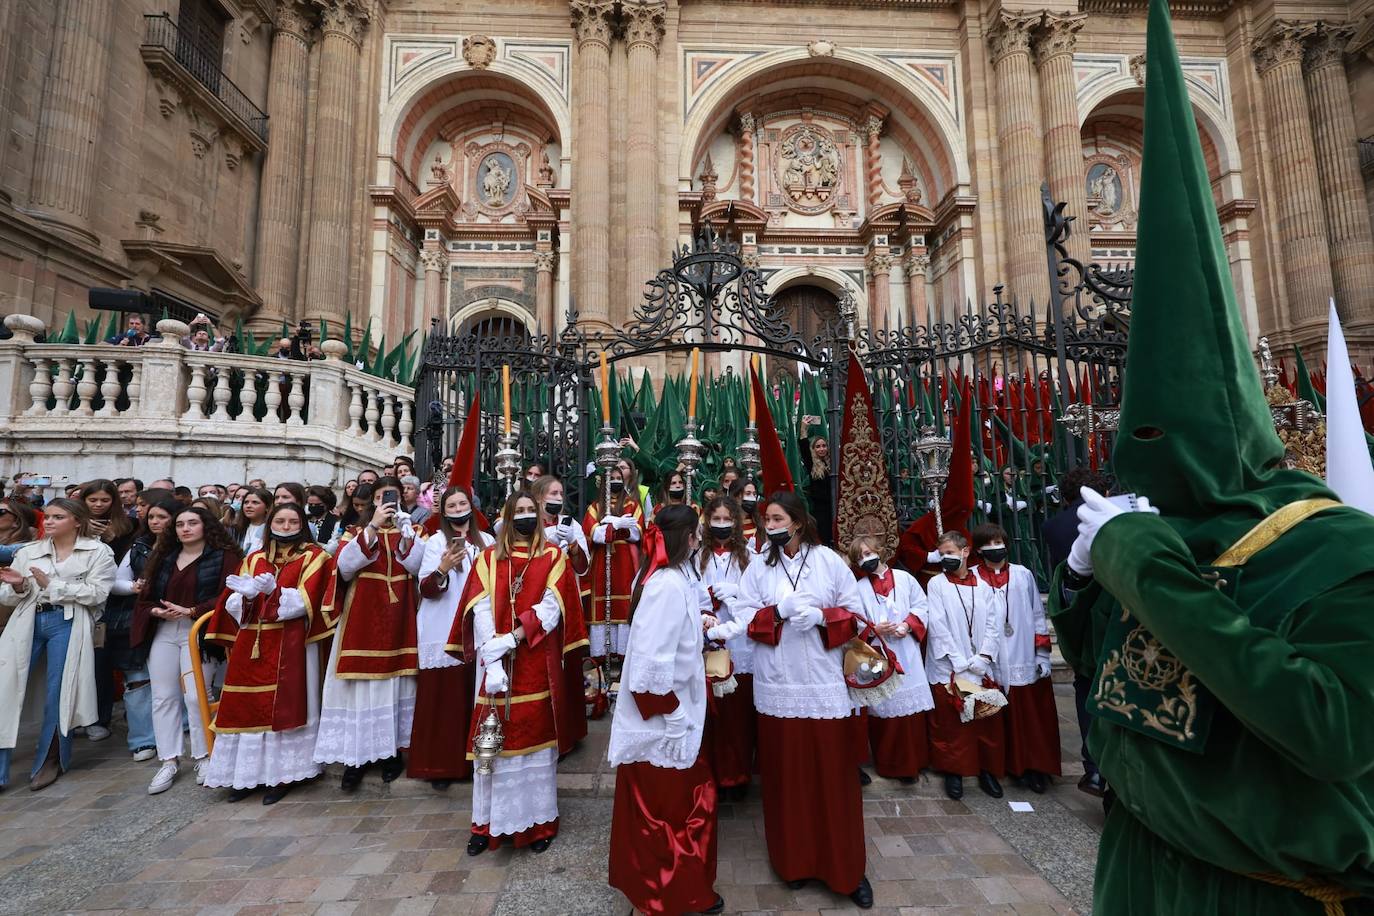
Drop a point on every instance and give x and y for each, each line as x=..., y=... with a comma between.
x=601, y=534
x=723, y=631
x=1095, y=512
x=266, y=583
x=617, y=521
x=406, y=525
x=495, y=649
x=632, y=528
x=1042, y=666
x=978, y=666
x=933, y=558
x=675, y=728
x=725, y=591
x=243, y=585
x=234, y=605
x=789, y=606
x=807, y=618
x=496, y=680
x=292, y=604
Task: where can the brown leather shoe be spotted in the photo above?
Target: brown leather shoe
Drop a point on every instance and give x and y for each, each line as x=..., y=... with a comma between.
x=46, y=776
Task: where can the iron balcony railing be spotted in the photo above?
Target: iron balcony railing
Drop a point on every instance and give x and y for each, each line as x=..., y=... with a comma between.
x=163, y=32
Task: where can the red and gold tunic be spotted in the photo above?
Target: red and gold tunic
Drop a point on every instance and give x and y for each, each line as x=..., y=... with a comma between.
x=265, y=681
x=624, y=566
x=375, y=624
x=536, y=670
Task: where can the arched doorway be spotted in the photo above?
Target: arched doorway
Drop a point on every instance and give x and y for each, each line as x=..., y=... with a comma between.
x=495, y=326
x=809, y=308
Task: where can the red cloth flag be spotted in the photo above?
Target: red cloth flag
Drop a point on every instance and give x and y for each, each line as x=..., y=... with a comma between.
x=956, y=506
x=464, y=471
x=776, y=475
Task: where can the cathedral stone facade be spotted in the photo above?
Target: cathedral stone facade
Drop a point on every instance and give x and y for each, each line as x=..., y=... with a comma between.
x=490, y=164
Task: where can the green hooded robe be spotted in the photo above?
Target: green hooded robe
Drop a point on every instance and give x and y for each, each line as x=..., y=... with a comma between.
x=1233, y=704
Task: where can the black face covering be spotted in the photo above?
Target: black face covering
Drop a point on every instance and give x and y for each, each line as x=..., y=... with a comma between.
x=292, y=538
x=869, y=565
x=749, y=504
x=316, y=510
x=722, y=532
x=617, y=486
x=525, y=524
x=780, y=538
x=553, y=509
x=676, y=492
x=458, y=521
x=951, y=564
x=994, y=554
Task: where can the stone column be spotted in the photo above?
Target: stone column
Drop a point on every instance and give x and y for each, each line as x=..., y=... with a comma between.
x=331, y=199
x=1022, y=157
x=917, y=264
x=873, y=131
x=279, y=209
x=1302, y=240
x=643, y=33
x=545, y=266
x=746, y=156
x=591, y=191
x=435, y=261
x=1338, y=170
x=1054, y=47
x=69, y=116
x=879, y=264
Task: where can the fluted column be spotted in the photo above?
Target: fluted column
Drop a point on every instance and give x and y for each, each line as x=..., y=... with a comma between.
x=1302, y=238
x=1054, y=47
x=746, y=156
x=435, y=262
x=879, y=264
x=342, y=23
x=917, y=263
x=643, y=33
x=283, y=186
x=1022, y=157
x=873, y=132
x=591, y=192
x=1338, y=170
x=545, y=264
x=69, y=117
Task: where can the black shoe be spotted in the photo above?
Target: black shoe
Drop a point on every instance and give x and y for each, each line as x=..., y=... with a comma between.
x=863, y=895
x=954, y=786
x=739, y=793
x=907, y=780
x=797, y=885
x=1093, y=784
x=989, y=784
x=392, y=768
x=441, y=785
x=1037, y=782
x=238, y=795
x=864, y=778
x=539, y=846
x=478, y=844
x=352, y=778
x=717, y=907
x=276, y=794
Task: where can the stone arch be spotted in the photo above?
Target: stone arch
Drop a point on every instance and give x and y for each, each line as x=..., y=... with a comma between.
x=901, y=89
x=490, y=308
x=828, y=278
x=1210, y=116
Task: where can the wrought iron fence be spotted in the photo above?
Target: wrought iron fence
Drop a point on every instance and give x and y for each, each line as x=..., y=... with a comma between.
x=161, y=31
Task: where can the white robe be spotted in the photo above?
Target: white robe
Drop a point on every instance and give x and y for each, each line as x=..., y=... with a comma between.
x=664, y=657
x=722, y=568
x=1018, y=602
x=800, y=678
x=434, y=621
x=907, y=598
x=963, y=625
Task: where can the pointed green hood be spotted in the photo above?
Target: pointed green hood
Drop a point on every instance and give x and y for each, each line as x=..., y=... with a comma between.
x=1196, y=435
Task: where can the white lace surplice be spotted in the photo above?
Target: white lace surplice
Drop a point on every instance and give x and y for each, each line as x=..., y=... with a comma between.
x=246, y=759
x=520, y=793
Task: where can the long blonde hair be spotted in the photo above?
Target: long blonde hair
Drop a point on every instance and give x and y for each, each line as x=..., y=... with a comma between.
x=505, y=541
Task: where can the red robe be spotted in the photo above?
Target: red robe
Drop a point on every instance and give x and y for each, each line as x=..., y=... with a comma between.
x=264, y=682
x=624, y=567
x=380, y=639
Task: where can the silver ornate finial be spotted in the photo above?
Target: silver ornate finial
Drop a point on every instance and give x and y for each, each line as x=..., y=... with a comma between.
x=1266, y=359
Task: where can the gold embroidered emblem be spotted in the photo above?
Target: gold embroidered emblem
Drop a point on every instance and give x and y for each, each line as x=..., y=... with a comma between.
x=865, y=504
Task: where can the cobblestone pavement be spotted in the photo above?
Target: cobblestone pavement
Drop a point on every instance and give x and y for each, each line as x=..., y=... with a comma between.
x=96, y=842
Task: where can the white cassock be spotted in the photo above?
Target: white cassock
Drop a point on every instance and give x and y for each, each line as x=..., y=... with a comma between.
x=906, y=600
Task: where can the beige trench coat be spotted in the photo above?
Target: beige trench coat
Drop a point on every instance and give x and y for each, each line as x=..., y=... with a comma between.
x=82, y=593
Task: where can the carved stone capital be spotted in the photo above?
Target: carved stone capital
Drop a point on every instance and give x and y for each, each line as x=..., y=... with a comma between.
x=916, y=264
x=873, y=127
x=346, y=18
x=1058, y=34
x=643, y=20
x=295, y=20
x=545, y=261
x=1326, y=45
x=746, y=123
x=1010, y=34
x=1284, y=43
x=592, y=20
x=879, y=265
x=434, y=259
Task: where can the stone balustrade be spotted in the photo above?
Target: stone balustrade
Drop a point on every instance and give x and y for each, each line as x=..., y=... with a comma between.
x=76, y=412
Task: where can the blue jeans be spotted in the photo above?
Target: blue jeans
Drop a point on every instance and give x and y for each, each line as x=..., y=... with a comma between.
x=138, y=708
x=51, y=633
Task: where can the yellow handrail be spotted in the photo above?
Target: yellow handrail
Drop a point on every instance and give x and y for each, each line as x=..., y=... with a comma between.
x=207, y=709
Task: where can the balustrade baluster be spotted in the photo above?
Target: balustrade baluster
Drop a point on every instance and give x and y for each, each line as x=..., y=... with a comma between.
x=295, y=401
x=222, y=394
x=135, y=391
x=195, y=393
x=62, y=388
x=388, y=419
x=272, y=398
x=355, y=409
x=109, y=389
x=407, y=425
x=40, y=388
x=374, y=433
x=86, y=388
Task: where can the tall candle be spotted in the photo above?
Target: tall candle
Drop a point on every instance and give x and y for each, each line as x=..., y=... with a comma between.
x=605, y=392
x=505, y=395
x=692, y=391
x=753, y=407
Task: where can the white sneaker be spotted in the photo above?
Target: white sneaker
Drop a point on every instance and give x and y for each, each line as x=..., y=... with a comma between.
x=166, y=775
x=144, y=753
x=97, y=732
x=202, y=767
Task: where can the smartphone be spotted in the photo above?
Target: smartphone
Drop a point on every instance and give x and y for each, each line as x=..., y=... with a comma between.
x=391, y=498
x=35, y=481
x=1126, y=501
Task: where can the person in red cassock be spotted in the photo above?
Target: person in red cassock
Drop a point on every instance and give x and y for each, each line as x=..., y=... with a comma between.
x=368, y=707
x=619, y=532
x=1031, y=719
x=563, y=532
x=663, y=827
x=271, y=612
x=511, y=624
x=801, y=598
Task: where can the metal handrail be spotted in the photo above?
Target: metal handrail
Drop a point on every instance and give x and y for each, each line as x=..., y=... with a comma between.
x=163, y=32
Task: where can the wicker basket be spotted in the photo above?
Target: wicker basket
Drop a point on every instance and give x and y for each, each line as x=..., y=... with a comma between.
x=976, y=700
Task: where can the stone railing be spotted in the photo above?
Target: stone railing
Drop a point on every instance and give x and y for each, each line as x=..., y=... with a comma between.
x=81, y=411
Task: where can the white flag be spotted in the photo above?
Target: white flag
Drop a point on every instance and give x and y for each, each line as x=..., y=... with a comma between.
x=1348, y=468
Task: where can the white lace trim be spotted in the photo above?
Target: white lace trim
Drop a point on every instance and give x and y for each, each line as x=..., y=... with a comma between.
x=646, y=678
x=912, y=697
x=645, y=745
x=432, y=655
x=620, y=639
x=1022, y=675
x=520, y=793
x=802, y=701
x=365, y=720
x=247, y=759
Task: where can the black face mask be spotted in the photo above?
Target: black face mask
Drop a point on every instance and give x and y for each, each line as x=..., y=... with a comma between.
x=292, y=538
x=749, y=504
x=617, y=486
x=780, y=538
x=553, y=509
x=870, y=565
x=315, y=511
x=994, y=554
x=458, y=521
x=722, y=532
x=676, y=492
x=951, y=564
x=525, y=524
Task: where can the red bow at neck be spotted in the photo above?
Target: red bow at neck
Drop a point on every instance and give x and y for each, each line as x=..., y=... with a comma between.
x=655, y=550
